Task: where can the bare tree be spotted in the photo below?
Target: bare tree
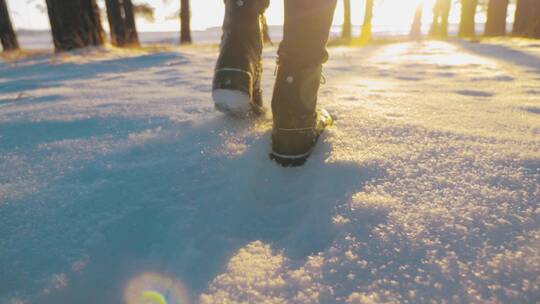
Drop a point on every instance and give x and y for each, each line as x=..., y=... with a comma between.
x=346, y=33
x=526, y=20
x=496, y=18
x=468, y=14
x=445, y=13
x=435, y=25
x=75, y=24
x=441, y=11
x=365, y=36
x=533, y=24
x=7, y=34
x=416, y=26
x=122, y=23
x=521, y=18
x=185, y=22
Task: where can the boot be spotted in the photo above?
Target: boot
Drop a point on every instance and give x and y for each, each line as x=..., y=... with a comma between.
x=297, y=122
x=237, y=80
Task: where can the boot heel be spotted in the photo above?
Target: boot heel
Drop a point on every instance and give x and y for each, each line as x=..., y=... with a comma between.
x=288, y=161
x=292, y=147
x=234, y=80
x=232, y=91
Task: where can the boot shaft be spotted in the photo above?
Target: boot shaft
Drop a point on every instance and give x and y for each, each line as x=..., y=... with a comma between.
x=243, y=15
x=294, y=101
x=239, y=65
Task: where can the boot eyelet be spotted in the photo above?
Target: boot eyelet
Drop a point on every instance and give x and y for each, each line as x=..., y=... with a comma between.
x=240, y=3
x=290, y=79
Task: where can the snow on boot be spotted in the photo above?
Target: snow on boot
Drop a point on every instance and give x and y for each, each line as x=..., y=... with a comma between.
x=297, y=122
x=236, y=87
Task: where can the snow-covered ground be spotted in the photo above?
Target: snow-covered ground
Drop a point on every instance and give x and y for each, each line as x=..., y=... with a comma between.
x=120, y=183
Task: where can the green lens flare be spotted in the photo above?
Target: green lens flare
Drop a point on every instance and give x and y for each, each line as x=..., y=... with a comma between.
x=155, y=288
x=153, y=297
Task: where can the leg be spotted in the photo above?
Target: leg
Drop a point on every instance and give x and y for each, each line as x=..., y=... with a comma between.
x=236, y=85
x=306, y=31
x=297, y=123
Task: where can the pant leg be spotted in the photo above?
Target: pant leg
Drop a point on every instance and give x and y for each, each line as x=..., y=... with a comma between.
x=306, y=31
x=237, y=11
x=300, y=57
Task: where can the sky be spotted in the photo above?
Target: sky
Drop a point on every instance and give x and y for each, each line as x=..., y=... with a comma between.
x=29, y=14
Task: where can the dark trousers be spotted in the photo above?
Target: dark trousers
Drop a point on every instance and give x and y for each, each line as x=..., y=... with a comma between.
x=300, y=55
x=305, y=31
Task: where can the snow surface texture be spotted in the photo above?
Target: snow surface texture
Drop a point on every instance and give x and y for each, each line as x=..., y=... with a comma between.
x=117, y=174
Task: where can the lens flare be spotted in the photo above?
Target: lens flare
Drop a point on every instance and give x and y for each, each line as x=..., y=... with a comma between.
x=153, y=288
x=154, y=297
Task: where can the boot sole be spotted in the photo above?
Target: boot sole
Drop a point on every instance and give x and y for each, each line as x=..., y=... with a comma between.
x=290, y=161
x=293, y=160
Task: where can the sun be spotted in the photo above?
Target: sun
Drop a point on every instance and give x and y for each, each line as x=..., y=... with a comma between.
x=400, y=13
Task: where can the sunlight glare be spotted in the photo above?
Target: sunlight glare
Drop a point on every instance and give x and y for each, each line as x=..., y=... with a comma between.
x=436, y=53
x=387, y=14
x=400, y=13
x=152, y=288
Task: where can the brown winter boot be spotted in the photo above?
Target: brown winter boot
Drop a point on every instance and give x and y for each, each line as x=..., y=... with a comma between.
x=237, y=80
x=297, y=122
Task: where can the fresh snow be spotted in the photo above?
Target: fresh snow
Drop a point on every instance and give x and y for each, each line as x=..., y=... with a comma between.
x=119, y=182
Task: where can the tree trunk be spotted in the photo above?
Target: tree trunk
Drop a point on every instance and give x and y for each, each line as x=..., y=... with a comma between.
x=526, y=20
x=346, y=32
x=365, y=36
x=523, y=11
x=468, y=13
x=7, y=34
x=439, y=25
x=185, y=26
x=435, y=28
x=445, y=13
x=416, y=27
x=496, y=18
x=533, y=24
x=75, y=24
x=122, y=23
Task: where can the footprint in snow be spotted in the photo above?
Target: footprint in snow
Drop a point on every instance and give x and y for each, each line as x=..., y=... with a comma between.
x=475, y=93
x=410, y=78
x=503, y=78
x=531, y=109
x=446, y=74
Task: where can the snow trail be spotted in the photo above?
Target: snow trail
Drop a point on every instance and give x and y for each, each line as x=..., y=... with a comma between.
x=114, y=165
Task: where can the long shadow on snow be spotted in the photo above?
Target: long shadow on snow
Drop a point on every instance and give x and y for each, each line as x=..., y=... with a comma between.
x=44, y=73
x=503, y=53
x=179, y=207
x=26, y=135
